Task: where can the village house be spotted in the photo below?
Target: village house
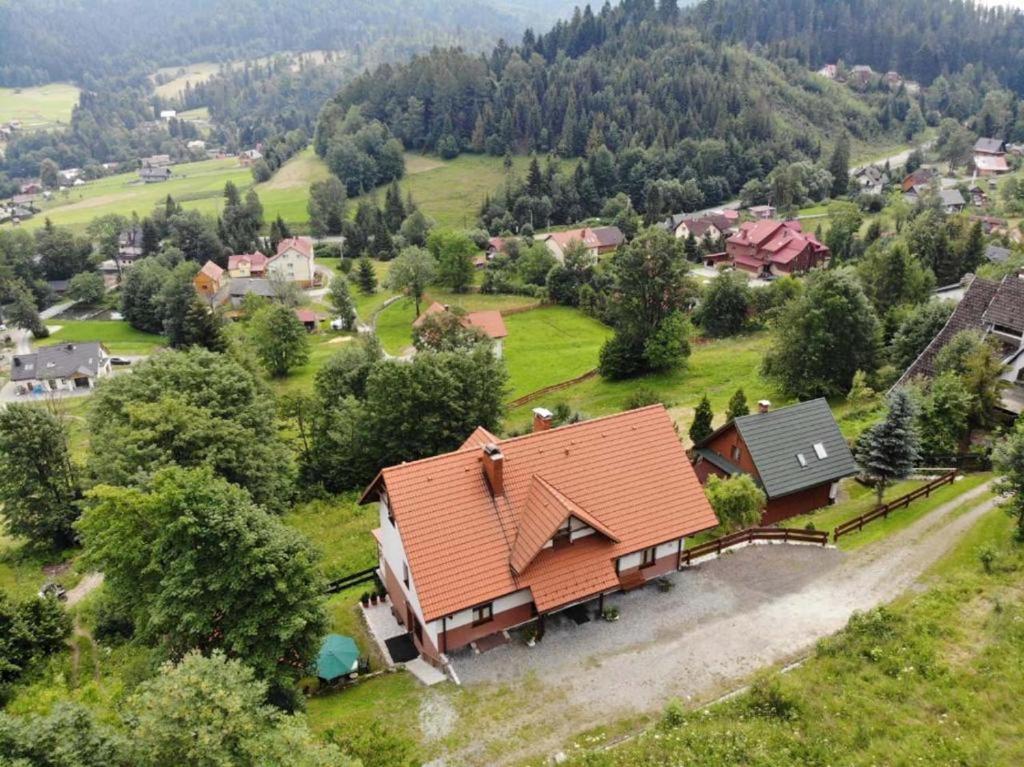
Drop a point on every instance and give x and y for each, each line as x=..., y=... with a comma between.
x=796, y=454
x=209, y=280
x=830, y=71
x=861, y=76
x=129, y=246
x=995, y=309
x=249, y=156
x=992, y=147
x=157, y=160
x=871, y=179
x=952, y=201
x=310, y=320
x=153, y=174
x=597, y=240
x=771, y=248
x=293, y=261
x=29, y=189
x=234, y=292
x=986, y=165
x=997, y=255
x=705, y=229
x=920, y=177
x=762, y=211
x=490, y=322
x=502, y=532
x=247, y=265
x=62, y=367
x=991, y=224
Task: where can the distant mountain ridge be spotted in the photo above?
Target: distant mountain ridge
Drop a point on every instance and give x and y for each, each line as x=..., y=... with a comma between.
x=47, y=40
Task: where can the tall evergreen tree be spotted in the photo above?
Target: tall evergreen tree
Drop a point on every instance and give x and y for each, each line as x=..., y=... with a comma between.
x=366, y=277
x=889, y=450
x=702, y=419
x=839, y=166
x=737, y=406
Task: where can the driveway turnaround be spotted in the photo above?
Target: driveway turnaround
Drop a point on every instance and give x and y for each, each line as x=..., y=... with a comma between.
x=721, y=621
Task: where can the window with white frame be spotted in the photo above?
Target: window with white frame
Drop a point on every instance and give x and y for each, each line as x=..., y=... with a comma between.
x=483, y=613
x=819, y=450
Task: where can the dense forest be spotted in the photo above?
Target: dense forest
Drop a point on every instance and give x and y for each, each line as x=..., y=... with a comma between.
x=46, y=40
x=921, y=39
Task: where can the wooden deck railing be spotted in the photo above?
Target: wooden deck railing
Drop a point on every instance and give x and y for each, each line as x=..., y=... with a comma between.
x=784, y=534
x=352, y=579
x=882, y=512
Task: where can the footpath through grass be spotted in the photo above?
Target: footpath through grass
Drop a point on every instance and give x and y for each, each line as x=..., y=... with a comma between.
x=933, y=679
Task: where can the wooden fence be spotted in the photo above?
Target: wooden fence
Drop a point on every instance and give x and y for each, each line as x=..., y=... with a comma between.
x=553, y=388
x=882, y=512
x=784, y=534
x=352, y=579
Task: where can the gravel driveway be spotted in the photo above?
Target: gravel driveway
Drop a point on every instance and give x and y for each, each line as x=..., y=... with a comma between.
x=724, y=619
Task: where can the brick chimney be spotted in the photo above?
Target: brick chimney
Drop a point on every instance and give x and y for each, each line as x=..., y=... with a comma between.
x=494, y=466
x=763, y=406
x=541, y=419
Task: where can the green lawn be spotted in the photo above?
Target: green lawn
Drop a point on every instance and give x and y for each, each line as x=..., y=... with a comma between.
x=21, y=569
x=118, y=336
x=39, y=108
x=550, y=345
x=340, y=529
x=287, y=192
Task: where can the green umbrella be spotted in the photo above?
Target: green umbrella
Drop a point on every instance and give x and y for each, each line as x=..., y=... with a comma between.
x=338, y=656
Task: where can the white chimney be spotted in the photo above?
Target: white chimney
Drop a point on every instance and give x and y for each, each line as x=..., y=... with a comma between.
x=763, y=406
x=541, y=419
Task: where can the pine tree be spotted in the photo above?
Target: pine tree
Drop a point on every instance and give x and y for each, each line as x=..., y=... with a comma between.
x=202, y=326
x=737, y=406
x=692, y=249
x=394, y=208
x=701, y=427
x=889, y=449
x=341, y=301
x=366, y=277
x=839, y=166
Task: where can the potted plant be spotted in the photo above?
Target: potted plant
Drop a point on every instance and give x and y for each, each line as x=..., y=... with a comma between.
x=531, y=635
x=610, y=614
x=364, y=599
x=665, y=585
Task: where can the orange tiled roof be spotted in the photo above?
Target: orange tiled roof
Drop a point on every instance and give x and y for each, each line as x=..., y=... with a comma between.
x=478, y=439
x=302, y=244
x=628, y=470
x=211, y=270
x=490, y=322
x=546, y=510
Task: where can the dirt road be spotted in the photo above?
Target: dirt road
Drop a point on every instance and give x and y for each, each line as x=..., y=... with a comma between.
x=723, y=620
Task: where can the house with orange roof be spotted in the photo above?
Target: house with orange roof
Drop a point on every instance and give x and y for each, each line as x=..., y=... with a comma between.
x=247, y=265
x=771, y=247
x=209, y=280
x=293, y=261
x=597, y=240
x=502, y=532
x=490, y=322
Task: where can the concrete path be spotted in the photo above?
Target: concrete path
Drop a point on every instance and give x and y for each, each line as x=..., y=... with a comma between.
x=724, y=620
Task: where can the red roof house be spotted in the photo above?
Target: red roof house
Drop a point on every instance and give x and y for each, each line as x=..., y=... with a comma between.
x=209, y=279
x=248, y=265
x=490, y=322
x=500, y=532
x=598, y=240
x=773, y=247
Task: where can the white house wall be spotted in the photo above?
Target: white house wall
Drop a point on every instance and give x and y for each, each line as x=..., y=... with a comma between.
x=393, y=552
x=633, y=560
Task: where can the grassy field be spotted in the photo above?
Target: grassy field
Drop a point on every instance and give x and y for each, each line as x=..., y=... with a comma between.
x=716, y=368
x=933, y=679
x=451, y=191
x=118, y=336
x=192, y=73
x=39, y=108
x=550, y=345
x=287, y=193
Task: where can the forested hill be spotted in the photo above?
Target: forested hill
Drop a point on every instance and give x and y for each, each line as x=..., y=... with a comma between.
x=46, y=40
x=921, y=39
x=635, y=75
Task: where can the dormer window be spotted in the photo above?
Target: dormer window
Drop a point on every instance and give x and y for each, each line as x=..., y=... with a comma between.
x=800, y=459
x=819, y=450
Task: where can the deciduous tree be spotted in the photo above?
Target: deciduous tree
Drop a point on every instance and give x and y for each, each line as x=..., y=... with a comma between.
x=281, y=341
x=737, y=501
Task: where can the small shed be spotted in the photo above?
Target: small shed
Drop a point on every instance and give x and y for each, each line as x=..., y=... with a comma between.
x=339, y=657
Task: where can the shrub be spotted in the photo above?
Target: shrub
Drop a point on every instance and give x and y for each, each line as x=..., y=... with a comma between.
x=675, y=714
x=987, y=555
x=769, y=699
x=641, y=397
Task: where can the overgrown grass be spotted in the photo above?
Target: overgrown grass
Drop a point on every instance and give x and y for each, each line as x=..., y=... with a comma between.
x=933, y=679
x=118, y=336
x=340, y=529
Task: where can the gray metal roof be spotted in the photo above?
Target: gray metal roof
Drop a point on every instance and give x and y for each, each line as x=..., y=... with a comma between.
x=776, y=438
x=60, y=361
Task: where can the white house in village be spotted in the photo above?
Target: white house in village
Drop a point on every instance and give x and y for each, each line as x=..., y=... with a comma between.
x=293, y=261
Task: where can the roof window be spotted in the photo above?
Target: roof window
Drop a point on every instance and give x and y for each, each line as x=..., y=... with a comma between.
x=819, y=449
x=800, y=459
